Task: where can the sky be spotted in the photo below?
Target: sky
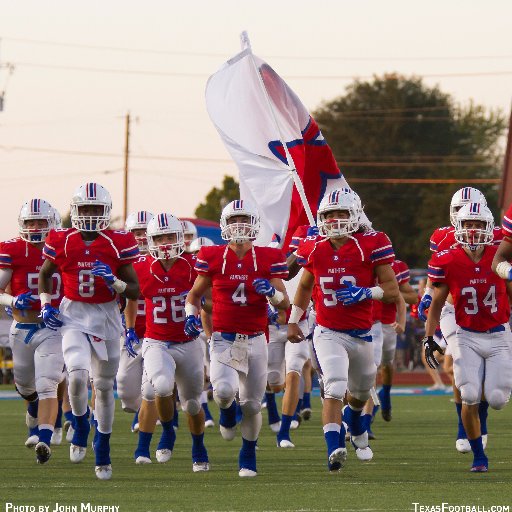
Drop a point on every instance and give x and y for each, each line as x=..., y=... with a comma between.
x=80, y=67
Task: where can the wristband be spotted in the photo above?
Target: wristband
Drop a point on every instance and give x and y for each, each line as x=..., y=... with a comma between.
x=119, y=286
x=45, y=298
x=276, y=298
x=191, y=310
x=295, y=315
x=6, y=300
x=503, y=269
x=377, y=292
x=428, y=291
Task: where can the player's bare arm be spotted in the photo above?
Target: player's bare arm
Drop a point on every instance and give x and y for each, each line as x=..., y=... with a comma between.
x=388, y=283
x=279, y=286
x=45, y=277
x=300, y=304
x=441, y=292
x=501, y=263
x=408, y=293
x=201, y=285
x=130, y=313
x=127, y=274
x=401, y=311
x=293, y=266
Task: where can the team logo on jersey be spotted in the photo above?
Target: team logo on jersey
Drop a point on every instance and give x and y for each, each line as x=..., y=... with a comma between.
x=239, y=265
x=335, y=257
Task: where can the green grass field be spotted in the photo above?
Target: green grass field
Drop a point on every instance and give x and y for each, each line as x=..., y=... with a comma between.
x=415, y=461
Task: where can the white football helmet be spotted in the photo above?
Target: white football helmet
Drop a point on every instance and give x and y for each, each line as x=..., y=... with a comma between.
x=239, y=232
x=57, y=219
x=165, y=224
x=91, y=194
x=342, y=199
x=190, y=233
x=201, y=241
x=35, y=209
x=139, y=220
x=471, y=237
x=464, y=196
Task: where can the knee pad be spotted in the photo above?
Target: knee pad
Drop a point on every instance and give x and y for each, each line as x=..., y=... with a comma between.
x=387, y=357
x=192, y=407
x=46, y=388
x=148, y=392
x=250, y=408
x=103, y=384
x=497, y=399
x=275, y=378
x=335, y=389
x=360, y=394
x=470, y=395
x=224, y=395
x=130, y=405
x=163, y=386
x=78, y=379
x=27, y=394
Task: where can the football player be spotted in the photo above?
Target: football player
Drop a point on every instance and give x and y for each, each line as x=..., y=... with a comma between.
x=36, y=349
x=96, y=266
x=501, y=262
x=190, y=232
x=340, y=271
x=481, y=347
x=241, y=277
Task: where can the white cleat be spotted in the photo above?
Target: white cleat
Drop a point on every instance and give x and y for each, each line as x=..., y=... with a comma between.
x=294, y=425
x=227, y=433
x=364, y=454
x=360, y=441
x=247, y=473
x=209, y=423
x=199, y=467
x=285, y=443
x=337, y=458
x=484, y=440
x=77, y=453
x=103, y=472
x=142, y=460
x=32, y=441
x=43, y=453
x=56, y=437
x=69, y=434
x=463, y=446
x=275, y=427
x=135, y=428
x=163, y=455
x=347, y=433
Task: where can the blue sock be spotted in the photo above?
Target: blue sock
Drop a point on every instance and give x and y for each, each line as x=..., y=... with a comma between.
x=478, y=451
x=306, y=401
x=69, y=416
x=228, y=416
x=239, y=413
x=461, y=432
x=284, y=431
x=102, y=449
x=34, y=431
x=168, y=437
x=45, y=435
x=32, y=408
x=332, y=439
x=385, y=397
x=144, y=444
x=482, y=413
x=82, y=428
x=207, y=413
x=199, y=453
x=297, y=410
x=135, y=419
x=366, y=420
x=58, y=420
x=94, y=421
x=273, y=414
x=247, y=456
x=175, y=419
x=353, y=419
x=342, y=442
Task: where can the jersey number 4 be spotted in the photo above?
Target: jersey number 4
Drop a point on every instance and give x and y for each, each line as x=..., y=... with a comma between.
x=472, y=299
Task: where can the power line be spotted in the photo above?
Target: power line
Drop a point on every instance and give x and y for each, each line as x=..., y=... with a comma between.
x=394, y=181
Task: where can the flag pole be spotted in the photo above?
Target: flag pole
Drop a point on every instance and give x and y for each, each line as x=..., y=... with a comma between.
x=246, y=44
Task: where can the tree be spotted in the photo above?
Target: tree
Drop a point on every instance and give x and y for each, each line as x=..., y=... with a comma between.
x=397, y=127
x=217, y=199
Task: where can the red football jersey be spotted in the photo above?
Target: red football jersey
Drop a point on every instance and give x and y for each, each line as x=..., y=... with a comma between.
x=164, y=294
x=376, y=311
x=506, y=227
x=480, y=296
x=299, y=235
x=140, y=319
x=443, y=239
x=402, y=276
x=25, y=260
x=355, y=261
x=236, y=305
x=75, y=258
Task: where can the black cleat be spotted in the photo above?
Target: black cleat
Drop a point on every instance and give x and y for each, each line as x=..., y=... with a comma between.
x=43, y=453
x=386, y=414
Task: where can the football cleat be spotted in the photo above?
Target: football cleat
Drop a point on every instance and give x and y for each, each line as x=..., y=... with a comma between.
x=480, y=465
x=142, y=460
x=484, y=440
x=247, y=473
x=337, y=458
x=463, y=446
x=275, y=427
x=386, y=414
x=43, y=453
x=70, y=433
x=285, y=443
x=294, y=425
x=57, y=436
x=209, y=423
x=163, y=455
x=135, y=427
x=306, y=414
x=364, y=454
x=77, y=453
x=227, y=433
x=103, y=472
x=32, y=441
x=360, y=443
x=198, y=467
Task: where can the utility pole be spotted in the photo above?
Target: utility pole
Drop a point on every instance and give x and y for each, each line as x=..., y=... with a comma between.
x=126, y=156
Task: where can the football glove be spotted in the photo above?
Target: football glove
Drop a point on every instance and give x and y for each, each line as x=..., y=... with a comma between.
x=23, y=301
x=131, y=339
x=263, y=287
x=352, y=294
x=8, y=310
x=312, y=231
x=192, y=326
x=273, y=316
x=431, y=346
x=103, y=270
x=424, y=304
x=49, y=314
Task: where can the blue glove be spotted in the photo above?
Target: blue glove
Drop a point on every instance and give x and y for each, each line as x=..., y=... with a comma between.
x=263, y=287
x=103, y=270
x=273, y=316
x=192, y=326
x=49, y=315
x=8, y=310
x=424, y=304
x=131, y=339
x=23, y=301
x=312, y=231
x=352, y=294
